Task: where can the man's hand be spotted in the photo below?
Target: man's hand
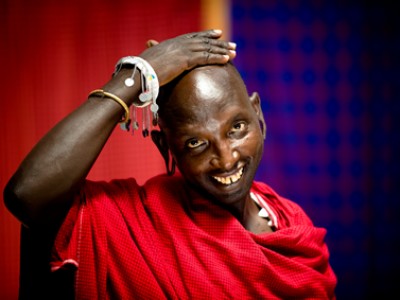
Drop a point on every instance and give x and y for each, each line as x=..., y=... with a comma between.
x=173, y=56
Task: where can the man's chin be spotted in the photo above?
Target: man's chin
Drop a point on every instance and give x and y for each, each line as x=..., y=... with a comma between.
x=224, y=194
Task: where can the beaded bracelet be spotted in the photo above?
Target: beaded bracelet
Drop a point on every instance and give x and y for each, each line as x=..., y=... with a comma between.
x=148, y=96
x=126, y=119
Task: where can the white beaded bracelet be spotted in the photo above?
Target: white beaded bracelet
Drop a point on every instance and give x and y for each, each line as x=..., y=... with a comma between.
x=150, y=90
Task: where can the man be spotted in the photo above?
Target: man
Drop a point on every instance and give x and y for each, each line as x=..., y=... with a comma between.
x=208, y=231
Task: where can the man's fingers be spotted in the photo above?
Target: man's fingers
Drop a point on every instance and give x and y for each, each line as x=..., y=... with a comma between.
x=213, y=34
x=215, y=58
x=218, y=47
x=223, y=44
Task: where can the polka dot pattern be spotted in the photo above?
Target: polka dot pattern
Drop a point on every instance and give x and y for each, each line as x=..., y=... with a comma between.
x=328, y=76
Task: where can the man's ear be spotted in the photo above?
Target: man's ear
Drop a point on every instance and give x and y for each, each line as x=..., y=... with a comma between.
x=256, y=103
x=158, y=138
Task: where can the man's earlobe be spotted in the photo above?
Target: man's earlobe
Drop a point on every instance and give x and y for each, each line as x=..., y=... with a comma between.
x=159, y=140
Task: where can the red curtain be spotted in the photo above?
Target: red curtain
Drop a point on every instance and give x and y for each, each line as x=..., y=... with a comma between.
x=53, y=54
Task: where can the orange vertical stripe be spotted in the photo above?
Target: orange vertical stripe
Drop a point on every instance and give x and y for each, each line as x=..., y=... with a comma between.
x=216, y=14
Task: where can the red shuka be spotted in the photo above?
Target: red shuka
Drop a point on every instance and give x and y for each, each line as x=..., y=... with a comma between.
x=164, y=241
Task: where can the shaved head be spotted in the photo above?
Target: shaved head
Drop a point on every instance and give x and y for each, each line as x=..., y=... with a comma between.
x=184, y=97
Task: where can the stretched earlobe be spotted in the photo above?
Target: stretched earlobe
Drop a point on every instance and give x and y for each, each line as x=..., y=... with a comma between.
x=256, y=102
x=263, y=129
x=158, y=139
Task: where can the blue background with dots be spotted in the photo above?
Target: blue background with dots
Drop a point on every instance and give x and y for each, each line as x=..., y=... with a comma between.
x=328, y=76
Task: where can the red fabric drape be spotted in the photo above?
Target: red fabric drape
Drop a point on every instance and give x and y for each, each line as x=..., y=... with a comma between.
x=187, y=247
x=53, y=54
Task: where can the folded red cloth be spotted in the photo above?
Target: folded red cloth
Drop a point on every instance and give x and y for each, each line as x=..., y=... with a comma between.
x=164, y=241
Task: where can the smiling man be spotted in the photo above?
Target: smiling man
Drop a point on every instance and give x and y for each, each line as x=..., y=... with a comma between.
x=213, y=131
x=209, y=231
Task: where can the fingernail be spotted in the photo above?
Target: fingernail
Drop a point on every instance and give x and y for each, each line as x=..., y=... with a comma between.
x=232, y=45
x=233, y=52
x=219, y=31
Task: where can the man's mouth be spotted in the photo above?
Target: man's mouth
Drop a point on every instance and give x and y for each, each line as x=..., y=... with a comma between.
x=227, y=180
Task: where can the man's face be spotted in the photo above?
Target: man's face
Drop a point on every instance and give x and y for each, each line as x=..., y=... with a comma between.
x=214, y=133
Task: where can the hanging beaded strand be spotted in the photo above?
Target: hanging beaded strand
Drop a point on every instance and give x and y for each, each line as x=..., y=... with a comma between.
x=135, y=123
x=148, y=96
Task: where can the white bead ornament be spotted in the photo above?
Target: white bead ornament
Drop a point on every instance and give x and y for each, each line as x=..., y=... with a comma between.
x=129, y=82
x=154, y=107
x=145, y=96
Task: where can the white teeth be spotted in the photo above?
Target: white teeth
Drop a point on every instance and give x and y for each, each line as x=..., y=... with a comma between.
x=229, y=179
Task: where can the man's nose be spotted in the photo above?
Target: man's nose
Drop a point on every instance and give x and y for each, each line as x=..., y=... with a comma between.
x=225, y=156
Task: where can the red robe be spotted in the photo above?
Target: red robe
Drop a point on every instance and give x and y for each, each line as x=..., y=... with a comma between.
x=164, y=241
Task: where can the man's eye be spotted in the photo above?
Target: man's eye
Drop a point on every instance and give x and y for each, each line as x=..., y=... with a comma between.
x=240, y=126
x=194, y=143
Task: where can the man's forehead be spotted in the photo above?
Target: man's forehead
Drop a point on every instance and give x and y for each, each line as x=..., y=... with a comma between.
x=217, y=86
